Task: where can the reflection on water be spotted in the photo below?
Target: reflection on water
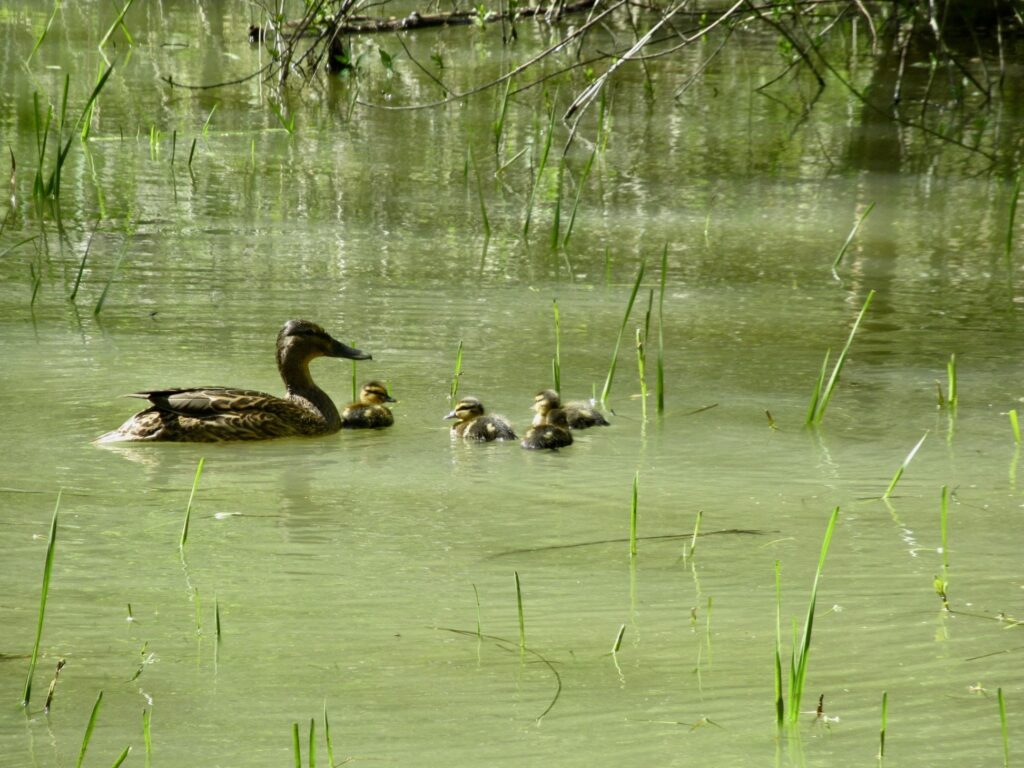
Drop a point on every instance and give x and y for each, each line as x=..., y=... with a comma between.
x=357, y=569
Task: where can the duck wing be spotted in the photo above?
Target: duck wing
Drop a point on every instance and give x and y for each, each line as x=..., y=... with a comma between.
x=207, y=402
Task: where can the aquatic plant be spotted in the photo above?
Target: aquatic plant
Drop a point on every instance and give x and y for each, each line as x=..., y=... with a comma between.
x=454, y=389
x=820, y=397
x=484, y=220
x=885, y=717
x=800, y=655
x=556, y=361
x=849, y=237
x=89, y=727
x=1014, y=197
x=519, y=611
x=618, y=639
x=606, y=390
x=541, y=164
x=1014, y=425
x=632, y=515
x=659, y=385
x=188, y=508
x=51, y=547
x=1003, y=728
x=899, y=472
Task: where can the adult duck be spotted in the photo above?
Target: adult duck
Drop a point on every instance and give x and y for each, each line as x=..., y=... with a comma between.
x=214, y=414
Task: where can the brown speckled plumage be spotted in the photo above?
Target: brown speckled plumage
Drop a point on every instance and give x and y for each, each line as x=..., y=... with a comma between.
x=214, y=414
x=577, y=415
x=551, y=434
x=475, y=424
x=369, y=412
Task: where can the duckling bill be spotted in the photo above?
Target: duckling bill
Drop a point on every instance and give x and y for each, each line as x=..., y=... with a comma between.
x=369, y=412
x=475, y=424
x=214, y=414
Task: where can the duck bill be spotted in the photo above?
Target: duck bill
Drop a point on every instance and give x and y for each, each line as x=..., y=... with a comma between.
x=343, y=350
x=389, y=399
x=451, y=416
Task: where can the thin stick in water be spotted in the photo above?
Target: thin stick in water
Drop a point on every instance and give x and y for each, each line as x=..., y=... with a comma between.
x=188, y=509
x=903, y=466
x=849, y=237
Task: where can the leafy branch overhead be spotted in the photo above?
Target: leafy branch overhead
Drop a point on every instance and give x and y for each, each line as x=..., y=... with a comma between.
x=935, y=66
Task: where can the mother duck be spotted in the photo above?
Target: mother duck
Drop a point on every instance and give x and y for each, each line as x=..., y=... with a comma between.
x=213, y=414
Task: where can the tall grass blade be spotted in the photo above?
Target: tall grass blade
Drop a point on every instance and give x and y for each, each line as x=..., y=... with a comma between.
x=122, y=757
x=540, y=171
x=659, y=384
x=42, y=35
x=1015, y=425
x=209, y=117
x=327, y=738
x=951, y=376
x=312, y=744
x=147, y=735
x=943, y=526
x=519, y=611
x=110, y=280
x=556, y=220
x=52, y=188
x=618, y=639
x=622, y=329
x=840, y=361
x=633, y=513
x=803, y=653
x=296, y=745
x=641, y=368
x=188, y=509
x=556, y=363
x=118, y=22
x=90, y=726
x=780, y=703
x=885, y=717
x=87, y=113
x=51, y=546
x=1003, y=728
x=1013, y=215
x=903, y=466
x=454, y=390
x=499, y=124
x=484, y=220
x=579, y=194
x=849, y=237
x=696, y=533
x=81, y=264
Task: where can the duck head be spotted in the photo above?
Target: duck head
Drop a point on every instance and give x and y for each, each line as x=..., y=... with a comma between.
x=545, y=401
x=375, y=393
x=467, y=408
x=303, y=340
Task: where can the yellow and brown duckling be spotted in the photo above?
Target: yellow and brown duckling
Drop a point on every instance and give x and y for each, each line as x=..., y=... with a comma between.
x=475, y=424
x=577, y=415
x=551, y=434
x=369, y=412
x=213, y=414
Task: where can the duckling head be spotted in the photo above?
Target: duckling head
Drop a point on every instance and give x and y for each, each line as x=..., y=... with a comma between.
x=467, y=408
x=375, y=393
x=546, y=400
x=303, y=340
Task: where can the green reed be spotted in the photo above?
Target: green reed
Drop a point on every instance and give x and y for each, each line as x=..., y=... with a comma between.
x=81, y=264
x=46, y=29
x=288, y=123
x=849, y=237
x=87, y=113
x=1013, y=215
x=499, y=123
x=188, y=509
x=801, y=655
x=885, y=717
x=951, y=380
x=209, y=117
x=122, y=757
x=618, y=639
x=823, y=391
x=147, y=734
x=312, y=743
x=90, y=726
x=542, y=163
x=633, y=513
x=1002, y=727
x=519, y=611
x=579, y=194
x=1014, y=425
x=899, y=472
x=296, y=745
x=216, y=616
x=454, y=390
x=780, y=701
x=327, y=738
x=659, y=383
x=556, y=219
x=51, y=547
x=53, y=685
x=556, y=362
x=696, y=533
x=484, y=220
x=118, y=22
x=641, y=367
x=622, y=329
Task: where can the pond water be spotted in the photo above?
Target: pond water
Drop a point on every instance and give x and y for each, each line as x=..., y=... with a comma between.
x=373, y=575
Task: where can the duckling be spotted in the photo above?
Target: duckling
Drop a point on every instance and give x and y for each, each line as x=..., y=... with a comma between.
x=369, y=411
x=475, y=425
x=577, y=415
x=213, y=414
x=553, y=433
